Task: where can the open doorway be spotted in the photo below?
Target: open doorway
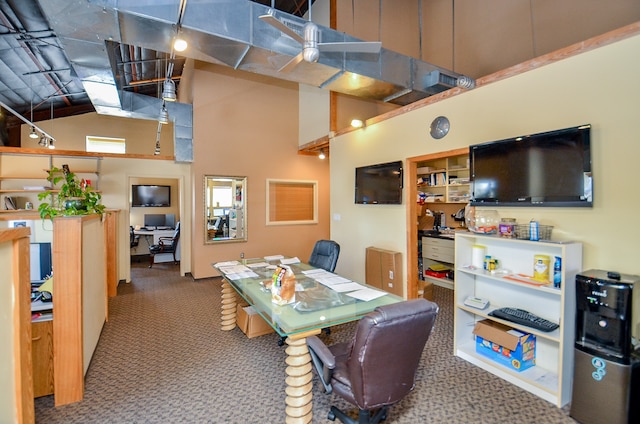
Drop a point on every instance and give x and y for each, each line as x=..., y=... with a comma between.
x=155, y=213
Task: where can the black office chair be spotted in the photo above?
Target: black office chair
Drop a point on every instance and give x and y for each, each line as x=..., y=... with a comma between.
x=165, y=245
x=134, y=239
x=325, y=255
x=378, y=367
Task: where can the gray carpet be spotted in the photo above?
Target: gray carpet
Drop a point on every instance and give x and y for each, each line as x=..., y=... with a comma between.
x=162, y=358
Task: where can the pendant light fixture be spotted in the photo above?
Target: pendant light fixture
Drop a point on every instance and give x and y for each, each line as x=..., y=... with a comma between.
x=169, y=90
x=164, y=115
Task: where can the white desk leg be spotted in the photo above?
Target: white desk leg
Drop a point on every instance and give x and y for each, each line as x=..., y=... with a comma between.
x=299, y=382
x=228, y=306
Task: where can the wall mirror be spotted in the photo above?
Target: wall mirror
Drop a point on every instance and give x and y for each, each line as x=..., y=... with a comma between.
x=225, y=201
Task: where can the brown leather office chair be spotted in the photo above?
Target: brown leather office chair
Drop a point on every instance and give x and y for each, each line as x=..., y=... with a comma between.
x=165, y=245
x=378, y=367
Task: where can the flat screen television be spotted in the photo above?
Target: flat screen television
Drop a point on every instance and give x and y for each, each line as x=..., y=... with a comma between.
x=546, y=169
x=145, y=196
x=379, y=184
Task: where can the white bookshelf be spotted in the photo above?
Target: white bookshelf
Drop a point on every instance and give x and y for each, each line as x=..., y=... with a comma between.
x=552, y=375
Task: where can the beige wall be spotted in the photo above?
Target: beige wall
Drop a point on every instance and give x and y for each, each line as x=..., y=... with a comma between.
x=71, y=132
x=574, y=91
x=247, y=125
x=136, y=215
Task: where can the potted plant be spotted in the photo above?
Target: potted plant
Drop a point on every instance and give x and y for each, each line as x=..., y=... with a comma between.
x=72, y=197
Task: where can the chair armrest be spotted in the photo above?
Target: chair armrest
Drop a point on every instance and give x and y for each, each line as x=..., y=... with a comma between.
x=323, y=361
x=322, y=352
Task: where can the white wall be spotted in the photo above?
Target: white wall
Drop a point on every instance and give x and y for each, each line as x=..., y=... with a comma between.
x=600, y=87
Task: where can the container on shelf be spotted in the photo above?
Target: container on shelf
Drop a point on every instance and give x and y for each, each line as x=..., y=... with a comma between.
x=523, y=231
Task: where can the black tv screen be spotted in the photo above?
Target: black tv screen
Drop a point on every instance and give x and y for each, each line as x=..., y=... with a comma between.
x=545, y=169
x=145, y=196
x=379, y=184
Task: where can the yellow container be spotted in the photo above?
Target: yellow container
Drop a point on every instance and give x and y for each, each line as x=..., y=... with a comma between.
x=541, y=267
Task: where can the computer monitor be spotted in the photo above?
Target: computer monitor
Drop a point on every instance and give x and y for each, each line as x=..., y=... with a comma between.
x=40, y=258
x=154, y=220
x=170, y=220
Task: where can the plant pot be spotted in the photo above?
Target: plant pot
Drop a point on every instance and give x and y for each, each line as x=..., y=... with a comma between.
x=78, y=204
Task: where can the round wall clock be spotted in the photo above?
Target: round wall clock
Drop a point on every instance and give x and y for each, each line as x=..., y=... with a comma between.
x=439, y=127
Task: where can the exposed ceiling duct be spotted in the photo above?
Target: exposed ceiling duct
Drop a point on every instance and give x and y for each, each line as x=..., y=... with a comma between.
x=231, y=33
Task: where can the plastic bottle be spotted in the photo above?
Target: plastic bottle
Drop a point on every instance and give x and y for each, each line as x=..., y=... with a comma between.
x=533, y=231
x=557, y=272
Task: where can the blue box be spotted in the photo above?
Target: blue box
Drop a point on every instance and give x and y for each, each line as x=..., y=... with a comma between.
x=512, y=348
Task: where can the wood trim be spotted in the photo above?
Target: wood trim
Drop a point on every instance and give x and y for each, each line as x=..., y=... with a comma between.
x=111, y=245
x=68, y=376
x=78, y=153
x=25, y=412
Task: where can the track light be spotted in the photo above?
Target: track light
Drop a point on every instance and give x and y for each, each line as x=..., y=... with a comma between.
x=321, y=155
x=51, y=146
x=157, y=151
x=43, y=141
x=164, y=115
x=180, y=44
x=33, y=134
x=169, y=90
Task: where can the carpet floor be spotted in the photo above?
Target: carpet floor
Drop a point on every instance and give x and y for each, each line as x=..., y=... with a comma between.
x=162, y=358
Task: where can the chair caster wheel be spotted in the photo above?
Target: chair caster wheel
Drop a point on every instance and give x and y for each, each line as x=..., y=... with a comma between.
x=331, y=416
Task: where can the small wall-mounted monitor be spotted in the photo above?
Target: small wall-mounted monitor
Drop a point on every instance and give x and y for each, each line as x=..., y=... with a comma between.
x=145, y=196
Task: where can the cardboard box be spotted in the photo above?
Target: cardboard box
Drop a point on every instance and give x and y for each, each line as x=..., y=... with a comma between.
x=427, y=289
x=251, y=323
x=505, y=345
x=384, y=270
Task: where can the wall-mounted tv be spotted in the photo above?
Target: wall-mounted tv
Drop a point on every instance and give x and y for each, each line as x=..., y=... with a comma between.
x=145, y=196
x=546, y=169
x=379, y=184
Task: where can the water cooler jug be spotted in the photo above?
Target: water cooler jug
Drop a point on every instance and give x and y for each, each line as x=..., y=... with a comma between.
x=606, y=378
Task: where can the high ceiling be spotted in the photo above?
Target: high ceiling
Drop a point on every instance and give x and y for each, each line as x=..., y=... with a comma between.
x=38, y=81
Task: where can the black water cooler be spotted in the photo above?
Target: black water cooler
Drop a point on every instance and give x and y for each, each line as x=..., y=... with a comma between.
x=606, y=379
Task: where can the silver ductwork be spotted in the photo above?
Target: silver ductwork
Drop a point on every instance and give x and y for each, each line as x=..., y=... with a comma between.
x=227, y=32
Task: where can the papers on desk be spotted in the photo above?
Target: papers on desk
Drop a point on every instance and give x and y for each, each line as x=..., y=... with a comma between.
x=228, y=263
x=289, y=261
x=366, y=294
x=237, y=271
x=258, y=265
x=273, y=257
x=343, y=285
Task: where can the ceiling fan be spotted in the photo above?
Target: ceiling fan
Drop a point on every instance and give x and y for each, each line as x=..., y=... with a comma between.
x=311, y=47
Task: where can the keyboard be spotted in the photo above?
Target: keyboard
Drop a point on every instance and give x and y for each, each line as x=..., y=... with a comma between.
x=520, y=316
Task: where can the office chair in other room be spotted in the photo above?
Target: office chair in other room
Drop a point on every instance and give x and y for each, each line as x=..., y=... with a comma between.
x=325, y=255
x=378, y=367
x=134, y=239
x=165, y=245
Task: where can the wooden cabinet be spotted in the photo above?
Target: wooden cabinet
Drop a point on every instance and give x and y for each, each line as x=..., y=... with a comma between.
x=42, y=354
x=551, y=377
x=444, y=179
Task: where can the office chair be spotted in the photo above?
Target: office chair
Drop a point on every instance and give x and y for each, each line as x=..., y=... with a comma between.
x=378, y=367
x=134, y=239
x=325, y=255
x=165, y=245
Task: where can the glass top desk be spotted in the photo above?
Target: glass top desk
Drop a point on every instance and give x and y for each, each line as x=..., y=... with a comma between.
x=316, y=306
